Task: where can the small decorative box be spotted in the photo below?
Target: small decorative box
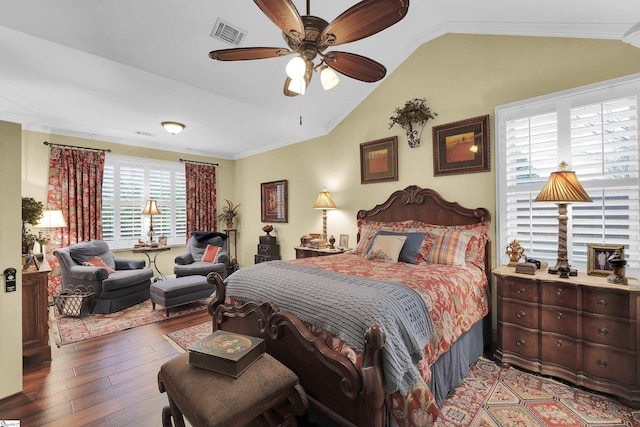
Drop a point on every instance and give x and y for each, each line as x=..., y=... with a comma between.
x=526, y=268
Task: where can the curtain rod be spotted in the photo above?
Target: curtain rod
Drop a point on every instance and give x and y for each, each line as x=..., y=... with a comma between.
x=52, y=144
x=200, y=163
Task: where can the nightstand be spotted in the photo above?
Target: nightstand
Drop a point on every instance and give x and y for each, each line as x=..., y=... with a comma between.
x=304, y=252
x=582, y=329
x=268, y=250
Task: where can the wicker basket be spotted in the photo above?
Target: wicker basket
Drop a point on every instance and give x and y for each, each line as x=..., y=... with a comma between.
x=74, y=303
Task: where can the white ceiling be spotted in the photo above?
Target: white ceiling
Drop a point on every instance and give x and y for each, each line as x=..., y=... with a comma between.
x=113, y=70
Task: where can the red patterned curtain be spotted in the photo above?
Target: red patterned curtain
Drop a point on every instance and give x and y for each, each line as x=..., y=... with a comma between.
x=75, y=187
x=201, y=197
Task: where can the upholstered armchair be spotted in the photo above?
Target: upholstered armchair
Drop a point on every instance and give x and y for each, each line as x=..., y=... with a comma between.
x=118, y=283
x=190, y=263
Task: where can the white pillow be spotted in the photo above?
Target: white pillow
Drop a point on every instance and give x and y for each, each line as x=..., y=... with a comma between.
x=386, y=248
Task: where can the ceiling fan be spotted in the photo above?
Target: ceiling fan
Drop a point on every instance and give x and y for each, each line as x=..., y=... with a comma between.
x=309, y=36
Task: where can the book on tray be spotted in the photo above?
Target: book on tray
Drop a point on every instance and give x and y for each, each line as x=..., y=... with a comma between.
x=226, y=352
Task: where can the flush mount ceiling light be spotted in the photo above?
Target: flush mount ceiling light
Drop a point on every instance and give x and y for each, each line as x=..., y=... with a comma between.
x=173, y=127
x=633, y=36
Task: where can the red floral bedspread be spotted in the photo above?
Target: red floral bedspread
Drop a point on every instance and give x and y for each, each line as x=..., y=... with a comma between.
x=457, y=298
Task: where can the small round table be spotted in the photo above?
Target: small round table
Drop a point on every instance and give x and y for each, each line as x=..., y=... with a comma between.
x=148, y=250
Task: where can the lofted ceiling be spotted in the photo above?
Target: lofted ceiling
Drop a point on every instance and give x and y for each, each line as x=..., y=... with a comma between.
x=113, y=70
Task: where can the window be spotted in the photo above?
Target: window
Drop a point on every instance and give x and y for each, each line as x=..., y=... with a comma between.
x=127, y=184
x=595, y=130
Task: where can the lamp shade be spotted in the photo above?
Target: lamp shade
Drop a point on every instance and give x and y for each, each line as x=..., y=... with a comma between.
x=51, y=219
x=328, y=78
x=173, y=128
x=563, y=187
x=296, y=68
x=324, y=201
x=151, y=208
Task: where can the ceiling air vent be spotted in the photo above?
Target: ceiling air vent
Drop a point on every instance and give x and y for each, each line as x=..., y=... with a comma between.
x=228, y=33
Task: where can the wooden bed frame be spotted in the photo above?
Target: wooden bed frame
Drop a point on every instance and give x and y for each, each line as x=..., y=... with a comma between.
x=334, y=386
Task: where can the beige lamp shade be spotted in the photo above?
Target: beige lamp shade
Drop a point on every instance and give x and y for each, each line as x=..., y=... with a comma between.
x=324, y=201
x=51, y=219
x=563, y=187
x=151, y=208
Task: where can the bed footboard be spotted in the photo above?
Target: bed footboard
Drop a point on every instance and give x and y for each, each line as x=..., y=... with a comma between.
x=334, y=386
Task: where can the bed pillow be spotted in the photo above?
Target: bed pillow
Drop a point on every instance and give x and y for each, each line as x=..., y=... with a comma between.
x=475, y=248
x=97, y=262
x=386, y=248
x=211, y=253
x=411, y=247
x=449, y=247
x=368, y=229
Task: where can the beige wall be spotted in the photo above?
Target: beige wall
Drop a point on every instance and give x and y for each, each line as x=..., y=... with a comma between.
x=461, y=76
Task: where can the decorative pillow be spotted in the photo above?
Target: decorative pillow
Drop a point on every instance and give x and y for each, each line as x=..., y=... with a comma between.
x=386, y=248
x=411, y=247
x=368, y=229
x=449, y=247
x=97, y=262
x=211, y=253
x=475, y=248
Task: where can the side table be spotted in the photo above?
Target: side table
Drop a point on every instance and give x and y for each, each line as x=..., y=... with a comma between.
x=148, y=250
x=304, y=252
x=35, y=316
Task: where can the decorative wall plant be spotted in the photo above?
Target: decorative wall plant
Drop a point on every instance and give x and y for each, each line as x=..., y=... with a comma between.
x=412, y=118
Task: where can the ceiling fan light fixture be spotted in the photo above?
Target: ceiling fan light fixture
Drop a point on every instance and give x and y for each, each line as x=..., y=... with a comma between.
x=328, y=78
x=298, y=86
x=296, y=68
x=173, y=128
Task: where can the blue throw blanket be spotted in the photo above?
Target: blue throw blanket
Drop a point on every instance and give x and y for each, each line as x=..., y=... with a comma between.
x=345, y=306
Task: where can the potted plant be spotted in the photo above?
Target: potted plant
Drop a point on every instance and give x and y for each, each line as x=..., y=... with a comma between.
x=228, y=213
x=31, y=213
x=412, y=117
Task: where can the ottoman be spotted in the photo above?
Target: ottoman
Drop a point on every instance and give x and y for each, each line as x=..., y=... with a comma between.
x=267, y=393
x=173, y=292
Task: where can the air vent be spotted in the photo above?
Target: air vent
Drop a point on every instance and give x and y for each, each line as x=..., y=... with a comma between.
x=228, y=33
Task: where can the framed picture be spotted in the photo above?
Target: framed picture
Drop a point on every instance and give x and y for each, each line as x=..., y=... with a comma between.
x=274, y=201
x=598, y=258
x=344, y=241
x=379, y=160
x=461, y=147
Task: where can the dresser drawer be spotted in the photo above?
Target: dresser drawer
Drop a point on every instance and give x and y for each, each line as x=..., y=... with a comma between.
x=520, y=341
x=520, y=313
x=602, y=362
x=559, y=320
x=606, y=302
x=609, y=331
x=560, y=295
x=560, y=351
x=518, y=289
x=268, y=250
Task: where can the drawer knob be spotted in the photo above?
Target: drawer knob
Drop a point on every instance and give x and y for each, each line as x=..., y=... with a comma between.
x=520, y=291
x=559, y=291
x=559, y=343
x=560, y=316
x=520, y=342
x=602, y=303
x=520, y=314
x=602, y=363
x=602, y=331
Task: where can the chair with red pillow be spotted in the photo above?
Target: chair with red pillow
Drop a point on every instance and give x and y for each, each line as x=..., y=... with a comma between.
x=206, y=252
x=118, y=283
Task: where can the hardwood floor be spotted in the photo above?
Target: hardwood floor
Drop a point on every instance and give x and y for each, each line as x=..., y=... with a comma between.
x=106, y=381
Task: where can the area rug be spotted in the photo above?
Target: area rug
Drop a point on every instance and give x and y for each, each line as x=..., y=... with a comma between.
x=68, y=330
x=492, y=396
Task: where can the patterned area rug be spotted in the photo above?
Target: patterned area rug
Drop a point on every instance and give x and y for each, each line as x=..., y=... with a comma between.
x=492, y=396
x=73, y=329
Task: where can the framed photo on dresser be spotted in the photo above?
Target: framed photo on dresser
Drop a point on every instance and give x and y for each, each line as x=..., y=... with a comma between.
x=598, y=258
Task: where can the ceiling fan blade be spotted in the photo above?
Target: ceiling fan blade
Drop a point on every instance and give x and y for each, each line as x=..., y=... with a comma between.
x=362, y=20
x=247, y=53
x=307, y=80
x=355, y=66
x=285, y=15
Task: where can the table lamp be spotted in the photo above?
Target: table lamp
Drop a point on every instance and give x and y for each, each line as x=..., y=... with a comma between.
x=151, y=209
x=563, y=188
x=50, y=220
x=324, y=202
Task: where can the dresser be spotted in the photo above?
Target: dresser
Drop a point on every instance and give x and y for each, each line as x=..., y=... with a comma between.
x=582, y=329
x=304, y=252
x=35, y=316
x=268, y=250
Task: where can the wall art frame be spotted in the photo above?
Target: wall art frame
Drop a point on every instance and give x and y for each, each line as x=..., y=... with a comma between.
x=597, y=258
x=379, y=160
x=274, y=201
x=461, y=147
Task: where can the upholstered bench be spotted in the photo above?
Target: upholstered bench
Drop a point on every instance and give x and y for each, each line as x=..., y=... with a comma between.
x=173, y=292
x=267, y=392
